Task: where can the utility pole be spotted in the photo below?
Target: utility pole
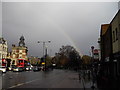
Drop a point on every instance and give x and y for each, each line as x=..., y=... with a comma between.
x=44, y=49
x=92, y=71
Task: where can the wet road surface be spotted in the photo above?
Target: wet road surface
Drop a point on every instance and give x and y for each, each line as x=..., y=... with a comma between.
x=50, y=79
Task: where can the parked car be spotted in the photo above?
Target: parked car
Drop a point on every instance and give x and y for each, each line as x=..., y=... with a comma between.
x=27, y=68
x=9, y=68
x=13, y=66
x=17, y=69
x=36, y=68
x=3, y=69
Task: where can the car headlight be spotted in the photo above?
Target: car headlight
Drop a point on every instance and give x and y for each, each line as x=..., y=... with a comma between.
x=4, y=70
x=17, y=69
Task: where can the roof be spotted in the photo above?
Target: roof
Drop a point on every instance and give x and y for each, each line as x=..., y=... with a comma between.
x=104, y=28
x=118, y=12
x=19, y=48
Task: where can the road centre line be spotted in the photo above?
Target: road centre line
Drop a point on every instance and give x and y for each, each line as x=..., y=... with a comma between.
x=23, y=83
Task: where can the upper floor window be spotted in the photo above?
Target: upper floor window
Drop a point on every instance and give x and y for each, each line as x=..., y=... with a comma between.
x=20, y=51
x=13, y=51
x=113, y=36
x=116, y=34
x=119, y=30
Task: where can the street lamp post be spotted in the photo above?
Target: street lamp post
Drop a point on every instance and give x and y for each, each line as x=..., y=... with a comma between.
x=93, y=76
x=44, y=44
x=92, y=48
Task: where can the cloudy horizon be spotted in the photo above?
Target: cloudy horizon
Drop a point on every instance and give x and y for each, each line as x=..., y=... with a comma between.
x=63, y=23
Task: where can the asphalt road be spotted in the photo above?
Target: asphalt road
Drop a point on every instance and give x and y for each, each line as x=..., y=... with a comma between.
x=50, y=79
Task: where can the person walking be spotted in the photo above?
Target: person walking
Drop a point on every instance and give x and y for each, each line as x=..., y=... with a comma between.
x=94, y=74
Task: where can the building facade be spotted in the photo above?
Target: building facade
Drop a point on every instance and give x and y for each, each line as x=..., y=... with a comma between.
x=3, y=49
x=116, y=43
x=106, y=50
x=19, y=52
x=104, y=28
x=110, y=52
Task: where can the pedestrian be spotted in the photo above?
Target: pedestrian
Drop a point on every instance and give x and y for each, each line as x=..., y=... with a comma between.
x=84, y=74
x=93, y=78
x=88, y=74
x=79, y=77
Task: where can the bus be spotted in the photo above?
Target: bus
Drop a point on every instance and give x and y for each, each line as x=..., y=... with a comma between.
x=24, y=64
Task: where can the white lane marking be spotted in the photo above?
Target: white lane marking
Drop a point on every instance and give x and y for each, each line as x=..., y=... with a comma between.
x=23, y=83
x=16, y=85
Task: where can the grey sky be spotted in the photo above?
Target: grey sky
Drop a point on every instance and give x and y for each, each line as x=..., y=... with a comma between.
x=64, y=23
x=0, y=18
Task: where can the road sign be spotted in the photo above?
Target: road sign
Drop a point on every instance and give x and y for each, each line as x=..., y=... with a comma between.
x=43, y=63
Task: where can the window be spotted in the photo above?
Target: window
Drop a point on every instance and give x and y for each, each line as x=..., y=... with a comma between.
x=13, y=55
x=119, y=30
x=4, y=48
x=119, y=26
x=13, y=51
x=116, y=34
x=3, y=56
x=20, y=51
x=13, y=62
x=113, y=36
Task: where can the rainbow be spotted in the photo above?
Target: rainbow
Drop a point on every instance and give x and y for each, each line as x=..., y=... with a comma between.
x=62, y=31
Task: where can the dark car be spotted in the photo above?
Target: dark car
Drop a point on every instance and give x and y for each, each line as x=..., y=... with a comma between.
x=27, y=68
x=36, y=68
x=9, y=68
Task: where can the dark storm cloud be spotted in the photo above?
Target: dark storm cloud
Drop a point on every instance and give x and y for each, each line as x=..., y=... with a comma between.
x=74, y=23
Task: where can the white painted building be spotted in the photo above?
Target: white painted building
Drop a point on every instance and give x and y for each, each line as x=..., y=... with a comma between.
x=3, y=49
x=19, y=52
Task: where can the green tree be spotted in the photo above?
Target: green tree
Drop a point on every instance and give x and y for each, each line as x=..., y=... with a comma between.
x=48, y=61
x=86, y=60
x=68, y=57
